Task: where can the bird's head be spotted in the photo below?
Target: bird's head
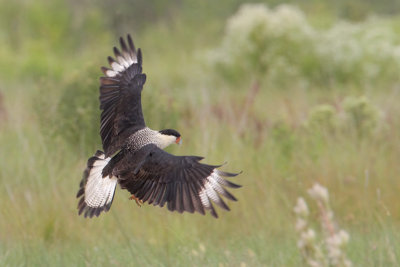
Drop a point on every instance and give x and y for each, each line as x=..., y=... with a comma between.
x=170, y=136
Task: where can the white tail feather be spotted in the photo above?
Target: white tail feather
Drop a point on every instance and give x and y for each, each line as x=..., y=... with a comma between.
x=99, y=191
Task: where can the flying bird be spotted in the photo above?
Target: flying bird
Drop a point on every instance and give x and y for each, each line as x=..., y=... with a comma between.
x=133, y=154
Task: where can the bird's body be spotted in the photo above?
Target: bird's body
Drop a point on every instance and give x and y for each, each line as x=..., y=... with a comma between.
x=133, y=153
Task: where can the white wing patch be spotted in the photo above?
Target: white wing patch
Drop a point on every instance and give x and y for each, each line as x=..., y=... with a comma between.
x=123, y=59
x=211, y=190
x=99, y=191
x=111, y=73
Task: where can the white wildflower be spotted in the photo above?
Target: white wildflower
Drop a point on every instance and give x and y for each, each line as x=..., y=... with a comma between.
x=300, y=224
x=314, y=263
x=313, y=253
x=318, y=192
x=344, y=236
x=308, y=236
x=347, y=263
x=300, y=244
x=301, y=207
x=334, y=253
x=334, y=241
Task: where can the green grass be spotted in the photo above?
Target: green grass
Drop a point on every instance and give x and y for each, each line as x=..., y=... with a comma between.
x=52, y=128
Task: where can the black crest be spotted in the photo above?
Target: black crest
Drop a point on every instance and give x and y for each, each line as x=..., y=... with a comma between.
x=170, y=132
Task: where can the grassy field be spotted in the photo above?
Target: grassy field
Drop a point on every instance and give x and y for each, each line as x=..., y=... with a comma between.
x=289, y=95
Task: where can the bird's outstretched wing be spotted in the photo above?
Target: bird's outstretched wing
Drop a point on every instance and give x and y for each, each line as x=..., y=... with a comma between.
x=120, y=96
x=180, y=182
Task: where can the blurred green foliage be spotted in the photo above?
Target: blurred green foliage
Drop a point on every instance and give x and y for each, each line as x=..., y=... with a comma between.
x=279, y=45
x=323, y=118
x=361, y=114
x=38, y=40
x=273, y=89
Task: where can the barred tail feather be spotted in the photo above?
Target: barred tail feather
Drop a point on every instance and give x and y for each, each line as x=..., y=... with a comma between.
x=96, y=191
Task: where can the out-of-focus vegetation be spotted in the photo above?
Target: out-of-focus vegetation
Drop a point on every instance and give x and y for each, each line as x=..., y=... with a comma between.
x=280, y=47
x=290, y=94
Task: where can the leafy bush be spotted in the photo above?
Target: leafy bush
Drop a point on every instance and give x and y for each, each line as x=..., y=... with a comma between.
x=279, y=45
x=260, y=41
x=322, y=118
x=361, y=115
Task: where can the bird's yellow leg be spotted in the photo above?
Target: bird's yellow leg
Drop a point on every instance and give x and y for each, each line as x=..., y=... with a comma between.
x=138, y=201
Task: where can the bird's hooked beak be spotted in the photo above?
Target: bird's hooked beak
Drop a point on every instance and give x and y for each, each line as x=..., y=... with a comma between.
x=178, y=140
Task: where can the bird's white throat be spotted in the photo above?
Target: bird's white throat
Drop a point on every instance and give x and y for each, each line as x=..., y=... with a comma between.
x=164, y=140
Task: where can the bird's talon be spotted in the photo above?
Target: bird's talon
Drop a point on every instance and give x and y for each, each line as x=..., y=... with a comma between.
x=138, y=201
